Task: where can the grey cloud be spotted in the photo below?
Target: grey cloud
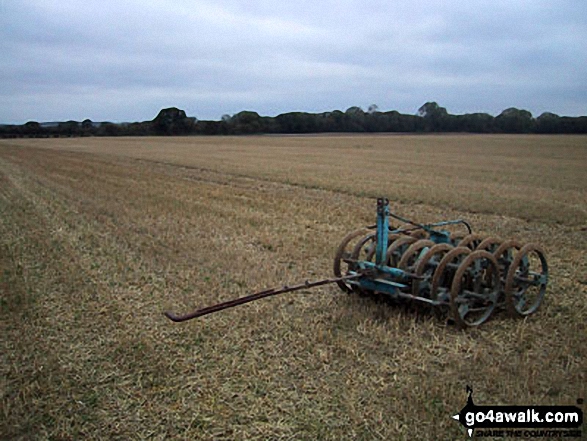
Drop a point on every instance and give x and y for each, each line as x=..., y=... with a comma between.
x=126, y=60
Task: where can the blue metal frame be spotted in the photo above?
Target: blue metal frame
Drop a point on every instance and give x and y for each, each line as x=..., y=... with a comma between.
x=379, y=274
x=382, y=230
x=378, y=277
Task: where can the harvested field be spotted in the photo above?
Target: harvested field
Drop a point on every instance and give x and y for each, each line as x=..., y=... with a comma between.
x=99, y=235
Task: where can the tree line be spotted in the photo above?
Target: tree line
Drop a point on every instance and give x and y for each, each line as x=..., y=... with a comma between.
x=430, y=118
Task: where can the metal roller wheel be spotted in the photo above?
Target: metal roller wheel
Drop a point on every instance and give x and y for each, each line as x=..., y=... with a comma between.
x=471, y=241
x=455, y=238
x=372, y=249
x=361, y=249
x=426, y=266
x=443, y=275
x=342, y=252
x=475, y=289
x=392, y=237
x=370, y=253
x=419, y=234
x=414, y=251
x=505, y=254
x=364, y=250
x=490, y=244
x=526, y=281
x=397, y=248
x=414, y=231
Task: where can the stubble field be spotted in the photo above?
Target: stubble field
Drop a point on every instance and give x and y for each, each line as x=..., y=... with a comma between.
x=98, y=236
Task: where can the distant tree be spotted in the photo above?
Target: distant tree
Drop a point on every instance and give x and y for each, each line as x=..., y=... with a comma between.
x=246, y=122
x=548, y=123
x=212, y=128
x=374, y=122
x=333, y=121
x=12, y=131
x=430, y=117
x=269, y=125
x=431, y=109
x=137, y=129
x=354, y=111
x=573, y=124
x=411, y=123
x=475, y=122
x=514, y=120
x=391, y=121
x=87, y=124
x=87, y=127
x=173, y=121
x=68, y=128
x=32, y=128
x=32, y=125
x=108, y=129
x=436, y=118
x=354, y=119
x=298, y=122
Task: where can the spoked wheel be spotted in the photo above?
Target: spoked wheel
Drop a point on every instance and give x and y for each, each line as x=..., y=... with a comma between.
x=363, y=247
x=443, y=275
x=471, y=241
x=505, y=254
x=413, y=231
x=526, y=281
x=344, y=251
x=419, y=234
x=369, y=251
x=414, y=251
x=455, y=238
x=425, y=268
x=475, y=289
x=364, y=250
x=397, y=249
x=490, y=244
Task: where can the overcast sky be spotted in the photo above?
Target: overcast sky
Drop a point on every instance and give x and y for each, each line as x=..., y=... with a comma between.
x=125, y=60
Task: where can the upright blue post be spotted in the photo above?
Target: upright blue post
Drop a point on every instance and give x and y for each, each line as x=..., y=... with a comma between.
x=382, y=230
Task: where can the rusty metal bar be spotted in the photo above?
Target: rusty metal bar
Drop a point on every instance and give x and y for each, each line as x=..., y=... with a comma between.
x=250, y=298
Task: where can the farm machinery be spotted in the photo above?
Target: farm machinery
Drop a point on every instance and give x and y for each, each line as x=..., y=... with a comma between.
x=466, y=274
